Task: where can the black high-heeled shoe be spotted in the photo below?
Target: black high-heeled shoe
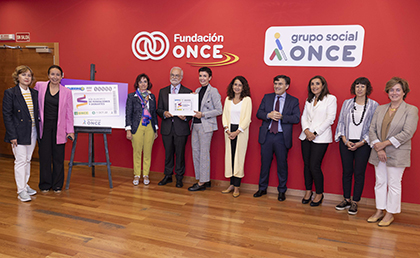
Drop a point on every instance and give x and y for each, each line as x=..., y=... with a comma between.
x=306, y=201
x=314, y=204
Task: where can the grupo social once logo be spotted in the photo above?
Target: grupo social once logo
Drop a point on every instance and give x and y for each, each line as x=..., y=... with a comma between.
x=154, y=46
x=327, y=46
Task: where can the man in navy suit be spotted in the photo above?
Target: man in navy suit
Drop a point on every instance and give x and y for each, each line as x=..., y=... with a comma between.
x=174, y=129
x=278, y=112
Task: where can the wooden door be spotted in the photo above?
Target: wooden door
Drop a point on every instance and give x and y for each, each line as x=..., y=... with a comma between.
x=27, y=54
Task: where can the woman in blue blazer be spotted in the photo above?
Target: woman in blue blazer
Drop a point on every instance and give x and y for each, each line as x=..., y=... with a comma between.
x=141, y=125
x=20, y=115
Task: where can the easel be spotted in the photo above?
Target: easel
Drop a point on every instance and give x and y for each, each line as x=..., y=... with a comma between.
x=91, y=131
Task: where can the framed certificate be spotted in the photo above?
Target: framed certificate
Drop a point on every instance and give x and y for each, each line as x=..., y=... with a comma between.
x=183, y=104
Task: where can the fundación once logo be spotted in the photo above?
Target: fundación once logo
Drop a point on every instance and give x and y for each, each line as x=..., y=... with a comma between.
x=327, y=46
x=147, y=45
x=155, y=46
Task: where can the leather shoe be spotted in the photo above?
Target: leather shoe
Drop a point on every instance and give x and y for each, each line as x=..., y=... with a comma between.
x=207, y=184
x=165, y=180
x=306, y=201
x=179, y=184
x=282, y=197
x=314, y=204
x=260, y=193
x=197, y=187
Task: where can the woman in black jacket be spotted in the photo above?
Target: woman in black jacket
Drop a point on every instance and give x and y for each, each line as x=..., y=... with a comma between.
x=20, y=115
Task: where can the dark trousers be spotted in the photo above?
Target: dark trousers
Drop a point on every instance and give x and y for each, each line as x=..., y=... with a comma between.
x=274, y=143
x=174, y=144
x=235, y=181
x=51, y=152
x=312, y=154
x=354, y=163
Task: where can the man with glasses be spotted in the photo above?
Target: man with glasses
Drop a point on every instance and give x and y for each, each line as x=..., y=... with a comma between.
x=174, y=129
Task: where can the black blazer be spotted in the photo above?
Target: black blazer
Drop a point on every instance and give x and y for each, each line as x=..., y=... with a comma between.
x=133, y=111
x=181, y=127
x=16, y=116
x=291, y=115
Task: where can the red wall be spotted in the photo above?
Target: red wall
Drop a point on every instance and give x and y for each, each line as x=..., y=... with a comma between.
x=101, y=32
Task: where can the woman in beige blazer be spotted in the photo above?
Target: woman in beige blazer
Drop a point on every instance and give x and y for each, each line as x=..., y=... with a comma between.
x=390, y=133
x=236, y=118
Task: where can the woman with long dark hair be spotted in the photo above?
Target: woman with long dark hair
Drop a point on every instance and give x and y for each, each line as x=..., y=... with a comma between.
x=236, y=119
x=317, y=118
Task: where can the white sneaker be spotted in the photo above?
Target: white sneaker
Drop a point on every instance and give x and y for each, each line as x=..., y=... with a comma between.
x=24, y=196
x=30, y=191
x=146, y=180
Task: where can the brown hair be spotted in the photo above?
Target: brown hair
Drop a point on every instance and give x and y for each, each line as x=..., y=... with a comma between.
x=139, y=77
x=324, y=91
x=245, y=88
x=397, y=80
x=19, y=70
x=364, y=81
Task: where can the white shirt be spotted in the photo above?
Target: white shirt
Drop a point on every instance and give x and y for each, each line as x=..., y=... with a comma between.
x=235, y=112
x=356, y=131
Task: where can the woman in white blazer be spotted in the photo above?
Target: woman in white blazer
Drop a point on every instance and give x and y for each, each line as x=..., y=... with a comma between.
x=317, y=118
x=236, y=118
x=390, y=133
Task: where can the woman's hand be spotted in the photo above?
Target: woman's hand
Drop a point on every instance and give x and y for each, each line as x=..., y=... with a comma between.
x=198, y=114
x=129, y=135
x=309, y=135
x=381, y=145
x=382, y=155
x=233, y=135
x=14, y=142
x=354, y=146
x=71, y=135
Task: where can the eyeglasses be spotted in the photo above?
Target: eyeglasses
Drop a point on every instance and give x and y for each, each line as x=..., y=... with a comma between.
x=175, y=75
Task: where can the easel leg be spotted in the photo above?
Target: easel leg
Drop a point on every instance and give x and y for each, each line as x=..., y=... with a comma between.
x=73, y=150
x=108, y=162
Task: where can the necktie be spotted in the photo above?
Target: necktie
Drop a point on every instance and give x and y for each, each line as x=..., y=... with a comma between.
x=274, y=124
x=173, y=90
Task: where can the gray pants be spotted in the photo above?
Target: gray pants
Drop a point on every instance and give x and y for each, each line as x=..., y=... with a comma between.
x=200, y=142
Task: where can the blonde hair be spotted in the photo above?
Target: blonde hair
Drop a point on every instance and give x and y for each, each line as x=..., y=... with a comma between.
x=19, y=70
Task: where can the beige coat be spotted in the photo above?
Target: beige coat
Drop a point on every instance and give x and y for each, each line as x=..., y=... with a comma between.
x=401, y=130
x=242, y=142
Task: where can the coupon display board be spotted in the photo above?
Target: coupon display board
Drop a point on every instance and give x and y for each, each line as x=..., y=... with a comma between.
x=98, y=104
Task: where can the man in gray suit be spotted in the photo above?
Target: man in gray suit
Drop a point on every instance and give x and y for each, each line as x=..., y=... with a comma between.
x=174, y=129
